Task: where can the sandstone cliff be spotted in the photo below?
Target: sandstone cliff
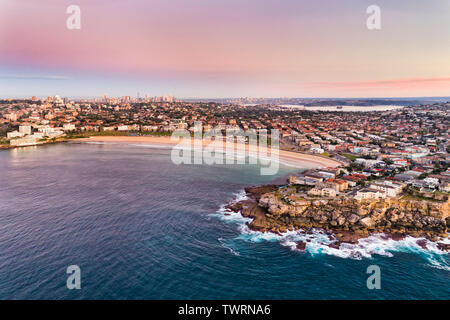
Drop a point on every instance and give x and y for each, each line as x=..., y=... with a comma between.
x=270, y=212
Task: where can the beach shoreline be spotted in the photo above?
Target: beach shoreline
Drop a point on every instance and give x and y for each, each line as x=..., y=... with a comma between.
x=296, y=159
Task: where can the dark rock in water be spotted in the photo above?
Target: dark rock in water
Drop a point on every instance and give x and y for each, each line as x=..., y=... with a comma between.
x=235, y=207
x=335, y=245
x=301, y=245
x=348, y=237
x=227, y=214
x=422, y=243
x=443, y=246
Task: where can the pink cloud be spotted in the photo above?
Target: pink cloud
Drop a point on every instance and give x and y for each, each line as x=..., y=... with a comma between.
x=396, y=83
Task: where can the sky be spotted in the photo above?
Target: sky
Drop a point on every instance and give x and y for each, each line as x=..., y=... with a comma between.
x=225, y=48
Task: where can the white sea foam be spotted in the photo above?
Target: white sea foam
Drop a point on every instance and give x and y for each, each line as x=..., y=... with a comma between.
x=224, y=245
x=230, y=216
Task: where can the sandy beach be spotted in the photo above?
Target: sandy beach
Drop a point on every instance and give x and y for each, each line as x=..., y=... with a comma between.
x=299, y=160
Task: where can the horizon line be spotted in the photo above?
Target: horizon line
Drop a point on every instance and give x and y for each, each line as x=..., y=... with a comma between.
x=222, y=98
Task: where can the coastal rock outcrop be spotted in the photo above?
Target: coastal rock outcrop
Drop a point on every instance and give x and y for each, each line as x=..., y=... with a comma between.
x=301, y=245
x=275, y=213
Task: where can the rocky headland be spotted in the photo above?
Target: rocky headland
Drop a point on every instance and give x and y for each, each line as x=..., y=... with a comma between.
x=345, y=220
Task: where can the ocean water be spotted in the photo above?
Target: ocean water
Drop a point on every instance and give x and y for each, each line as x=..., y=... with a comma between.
x=140, y=227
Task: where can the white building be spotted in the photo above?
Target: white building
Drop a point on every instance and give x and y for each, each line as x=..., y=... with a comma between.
x=370, y=162
x=25, y=129
x=122, y=128
x=69, y=127
x=316, y=149
x=390, y=191
x=25, y=141
x=50, y=131
x=391, y=188
x=323, y=192
x=369, y=193
x=432, y=183
x=149, y=128
x=46, y=130
x=14, y=134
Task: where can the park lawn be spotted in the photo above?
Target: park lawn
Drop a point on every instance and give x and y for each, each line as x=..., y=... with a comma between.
x=350, y=157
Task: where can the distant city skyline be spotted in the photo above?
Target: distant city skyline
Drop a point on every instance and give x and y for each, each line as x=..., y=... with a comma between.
x=151, y=98
x=225, y=49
